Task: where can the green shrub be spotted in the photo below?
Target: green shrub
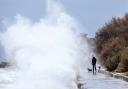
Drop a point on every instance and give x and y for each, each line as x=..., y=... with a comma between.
x=123, y=66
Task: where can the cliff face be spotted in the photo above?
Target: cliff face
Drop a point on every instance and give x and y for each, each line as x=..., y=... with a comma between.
x=112, y=44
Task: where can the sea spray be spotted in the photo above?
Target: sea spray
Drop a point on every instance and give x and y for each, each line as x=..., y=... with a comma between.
x=44, y=54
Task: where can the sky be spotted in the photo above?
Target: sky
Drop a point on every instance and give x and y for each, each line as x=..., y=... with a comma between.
x=91, y=14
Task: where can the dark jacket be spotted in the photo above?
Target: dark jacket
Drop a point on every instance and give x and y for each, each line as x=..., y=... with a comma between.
x=93, y=61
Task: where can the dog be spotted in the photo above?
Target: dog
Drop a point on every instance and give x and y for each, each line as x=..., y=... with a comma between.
x=80, y=85
x=89, y=70
x=99, y=68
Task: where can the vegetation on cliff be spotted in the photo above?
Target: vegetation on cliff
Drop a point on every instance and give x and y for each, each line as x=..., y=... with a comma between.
x=112, y=44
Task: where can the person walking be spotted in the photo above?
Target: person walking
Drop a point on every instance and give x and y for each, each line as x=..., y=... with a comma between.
x=94, y=64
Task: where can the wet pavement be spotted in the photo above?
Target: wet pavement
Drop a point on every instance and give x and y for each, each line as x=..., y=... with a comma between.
x=88, y=81
x=101, y=81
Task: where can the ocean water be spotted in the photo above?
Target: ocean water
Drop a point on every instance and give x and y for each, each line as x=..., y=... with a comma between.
x=45, y=54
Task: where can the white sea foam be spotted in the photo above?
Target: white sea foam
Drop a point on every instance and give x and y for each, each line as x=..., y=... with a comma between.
x=46, y=54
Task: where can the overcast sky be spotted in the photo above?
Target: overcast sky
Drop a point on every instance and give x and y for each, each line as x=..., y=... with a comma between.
x=92, y=14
